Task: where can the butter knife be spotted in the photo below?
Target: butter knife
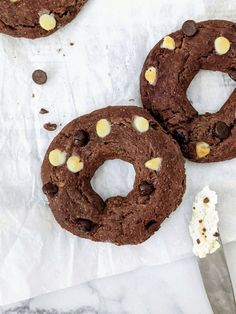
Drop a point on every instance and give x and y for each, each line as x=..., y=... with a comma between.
x=217, y=282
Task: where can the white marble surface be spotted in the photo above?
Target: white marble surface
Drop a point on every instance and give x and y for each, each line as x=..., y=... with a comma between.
x=174, y=288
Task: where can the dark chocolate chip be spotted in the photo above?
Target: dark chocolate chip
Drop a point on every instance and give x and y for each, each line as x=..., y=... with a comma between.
x=150, y=224
x=181, y=136
x=146, y=188
x=50, y=126
x=39, y=77
x=206, y=200
x=50, y=189
x=198, y=241
x=189, y=28
x=216, y=234
x=84, y=224
x=221, y=130
x=81, y=138
x=43, y=111
x=232, y=75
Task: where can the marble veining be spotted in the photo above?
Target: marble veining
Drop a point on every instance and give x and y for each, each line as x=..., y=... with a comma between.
x=27, y=310
x=174, y=288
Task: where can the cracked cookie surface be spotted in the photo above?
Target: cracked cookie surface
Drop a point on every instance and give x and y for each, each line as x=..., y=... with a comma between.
x=127, y=133
x=38, y=18
x=167, y=73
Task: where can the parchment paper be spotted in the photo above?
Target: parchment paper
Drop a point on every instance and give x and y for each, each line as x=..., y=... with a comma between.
x=111, y=40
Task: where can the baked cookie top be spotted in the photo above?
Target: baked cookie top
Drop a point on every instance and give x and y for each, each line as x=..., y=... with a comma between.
x=169, y=69
x=37, y=18
x=126, y=133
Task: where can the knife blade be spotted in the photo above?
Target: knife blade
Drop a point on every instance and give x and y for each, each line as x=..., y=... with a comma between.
x=217, y=282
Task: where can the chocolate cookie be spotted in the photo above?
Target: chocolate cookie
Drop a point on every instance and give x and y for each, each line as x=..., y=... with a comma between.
x=38, y=18
x=167, y=73
x=127, y=133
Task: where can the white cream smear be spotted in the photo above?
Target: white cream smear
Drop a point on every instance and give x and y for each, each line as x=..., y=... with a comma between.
x=204, y=224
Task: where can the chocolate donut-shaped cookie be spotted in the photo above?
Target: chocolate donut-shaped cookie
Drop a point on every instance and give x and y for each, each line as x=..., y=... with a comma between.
x=167, y=73
x=127, y=133
x=38, y=18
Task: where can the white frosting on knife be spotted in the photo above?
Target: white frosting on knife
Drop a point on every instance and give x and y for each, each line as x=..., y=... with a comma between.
x=204, y=224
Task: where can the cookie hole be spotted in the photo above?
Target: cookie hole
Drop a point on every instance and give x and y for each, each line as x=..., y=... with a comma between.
x=114, y=178
x=209, y=90
x=150, y=224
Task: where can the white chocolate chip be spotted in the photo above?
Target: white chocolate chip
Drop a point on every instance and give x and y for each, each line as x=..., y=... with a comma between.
x=57, y=157
x=74, y=164
x=140, y=124
x=168, y=43
x=202, y=149
x=222, y=45
x=47, y=21
x=154, y=164
x=151, y=76
x=103, y=128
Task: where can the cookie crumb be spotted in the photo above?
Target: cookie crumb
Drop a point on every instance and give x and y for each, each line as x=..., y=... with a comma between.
x=72, y=44
x=43, y=111
x=33, y=95
x=50, y=126
x=39, y=77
